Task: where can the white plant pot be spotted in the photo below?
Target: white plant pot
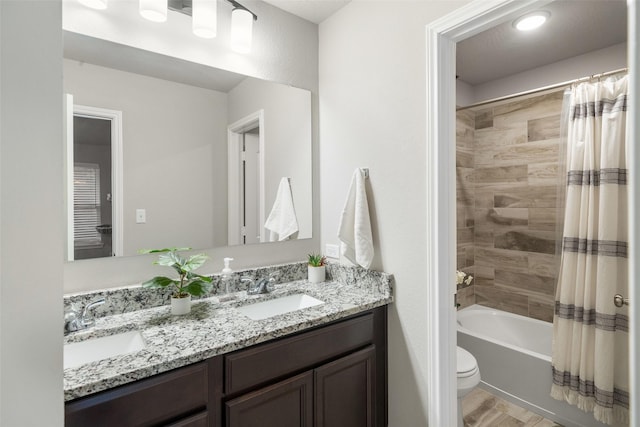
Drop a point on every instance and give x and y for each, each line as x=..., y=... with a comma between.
x=180, y=306
x=317, y=274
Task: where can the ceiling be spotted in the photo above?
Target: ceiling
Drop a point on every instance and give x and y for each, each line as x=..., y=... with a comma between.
x=574, y=28
x=315, y=11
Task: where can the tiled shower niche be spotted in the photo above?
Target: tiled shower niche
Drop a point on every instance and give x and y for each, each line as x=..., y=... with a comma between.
x=507, y=162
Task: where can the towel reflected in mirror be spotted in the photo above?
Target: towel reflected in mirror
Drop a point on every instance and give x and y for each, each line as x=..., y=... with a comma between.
x=282, y=221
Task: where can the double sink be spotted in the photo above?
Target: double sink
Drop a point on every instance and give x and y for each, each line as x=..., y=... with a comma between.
x=91, y=350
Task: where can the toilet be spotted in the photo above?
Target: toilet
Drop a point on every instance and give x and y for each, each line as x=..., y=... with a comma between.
x=468, y=377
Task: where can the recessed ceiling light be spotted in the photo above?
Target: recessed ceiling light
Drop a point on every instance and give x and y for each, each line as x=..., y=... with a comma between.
x=531, y=21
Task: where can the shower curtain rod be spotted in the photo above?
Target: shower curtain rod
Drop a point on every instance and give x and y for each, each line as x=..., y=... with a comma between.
x=544, y=88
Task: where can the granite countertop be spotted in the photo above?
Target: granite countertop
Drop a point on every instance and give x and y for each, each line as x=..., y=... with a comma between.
x=212, y=328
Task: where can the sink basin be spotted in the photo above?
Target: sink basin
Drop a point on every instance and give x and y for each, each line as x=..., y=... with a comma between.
x=274, y=307
x=79, y=353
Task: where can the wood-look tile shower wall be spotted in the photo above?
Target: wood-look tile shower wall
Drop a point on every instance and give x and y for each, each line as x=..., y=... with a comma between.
x=507, y=171
x=465, y=129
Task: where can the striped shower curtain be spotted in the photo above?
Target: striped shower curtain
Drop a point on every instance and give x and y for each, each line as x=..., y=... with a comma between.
x=590, y=334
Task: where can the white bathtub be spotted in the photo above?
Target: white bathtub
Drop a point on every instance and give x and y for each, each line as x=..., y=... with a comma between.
x=514, y=357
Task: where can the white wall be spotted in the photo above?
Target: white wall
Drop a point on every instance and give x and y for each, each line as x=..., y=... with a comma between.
x=285, y=50
x=599, y=61
x=464, y=93
x=31, y=214
x=174, y=137
x=372, y=114
x=287, y=113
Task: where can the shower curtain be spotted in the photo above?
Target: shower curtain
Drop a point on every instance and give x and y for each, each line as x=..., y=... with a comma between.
x=590, y=335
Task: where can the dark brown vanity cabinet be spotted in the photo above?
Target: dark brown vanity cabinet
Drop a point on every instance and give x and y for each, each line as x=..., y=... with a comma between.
x=340, y=393
x=333, y=375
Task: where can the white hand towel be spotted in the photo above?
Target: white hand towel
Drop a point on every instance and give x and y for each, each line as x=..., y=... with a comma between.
x=282, y=221
x=355, y=224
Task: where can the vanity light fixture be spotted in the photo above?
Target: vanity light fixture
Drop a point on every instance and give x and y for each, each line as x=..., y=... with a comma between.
x=204, y=15
x=205, y=18
x=241, y=29
x=94, y=4
x=531, y=21
x=153, y=10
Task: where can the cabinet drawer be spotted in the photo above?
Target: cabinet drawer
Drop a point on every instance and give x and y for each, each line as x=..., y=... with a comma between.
x=199, y=420
x=265, y=362
x=146, y=402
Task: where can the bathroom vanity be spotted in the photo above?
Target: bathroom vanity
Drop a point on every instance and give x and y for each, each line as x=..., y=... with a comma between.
x=319, y=366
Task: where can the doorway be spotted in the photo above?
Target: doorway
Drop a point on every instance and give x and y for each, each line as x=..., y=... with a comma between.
x=250, y=187
x=246, y=180
x=92, y=193
x=93, y=182
x=442, y=36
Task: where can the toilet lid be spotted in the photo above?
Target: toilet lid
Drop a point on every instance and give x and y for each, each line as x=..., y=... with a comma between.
x=466, y=363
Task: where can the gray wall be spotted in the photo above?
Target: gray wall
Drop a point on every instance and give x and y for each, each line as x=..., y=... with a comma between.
x=287, y=132
x=174, y=138
x=372, y=81
x=31, y=214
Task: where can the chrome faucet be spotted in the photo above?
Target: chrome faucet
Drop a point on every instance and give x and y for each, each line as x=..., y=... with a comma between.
x=74, y=322
x=260, y=286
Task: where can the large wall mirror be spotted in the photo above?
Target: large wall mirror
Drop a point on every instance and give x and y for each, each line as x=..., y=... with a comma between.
x=163, y=152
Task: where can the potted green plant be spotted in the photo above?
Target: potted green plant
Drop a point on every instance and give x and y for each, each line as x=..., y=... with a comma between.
x=188, y=283
x=317, y=268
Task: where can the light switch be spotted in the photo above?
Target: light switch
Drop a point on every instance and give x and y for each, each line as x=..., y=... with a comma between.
x=141, y=216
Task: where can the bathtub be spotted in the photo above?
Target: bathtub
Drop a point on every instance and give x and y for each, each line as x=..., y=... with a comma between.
x=514, y=357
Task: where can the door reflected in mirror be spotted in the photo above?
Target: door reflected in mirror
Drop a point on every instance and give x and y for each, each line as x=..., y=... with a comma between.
x=177, y=167
x=94, y=175
x=250, y=189
x=92, y=195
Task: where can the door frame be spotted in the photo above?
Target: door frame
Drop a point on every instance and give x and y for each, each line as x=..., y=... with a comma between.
x=117, y=197
x=234, y=153
x=441, y=37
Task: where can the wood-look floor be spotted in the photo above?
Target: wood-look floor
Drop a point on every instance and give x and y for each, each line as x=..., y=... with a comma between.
x=482, y=409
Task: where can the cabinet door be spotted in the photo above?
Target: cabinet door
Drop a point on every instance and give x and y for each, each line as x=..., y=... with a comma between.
x=345, y=391
x=288, y=403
